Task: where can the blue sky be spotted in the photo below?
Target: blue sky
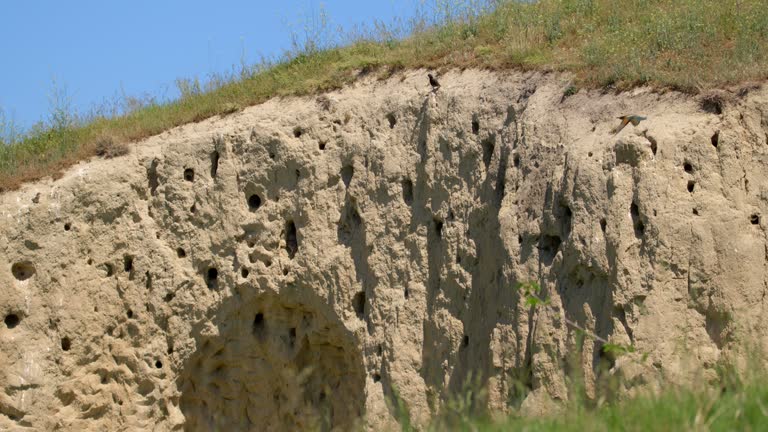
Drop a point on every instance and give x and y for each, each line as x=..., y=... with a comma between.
x=97, y=50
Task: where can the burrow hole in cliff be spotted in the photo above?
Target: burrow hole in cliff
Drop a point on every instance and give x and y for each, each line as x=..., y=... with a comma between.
x=298, y=132
x=406, y=293
x=322, y=145
x=392, y=119
x=189, y=174
x=244, y=272
x=358, y=303
x=152, y=177
x=108, y=270
x=158, y=364
x=376, y=377
x=488, y=145
x=603, y=224
x=408, y=191
x=23, y=270
x=212, y=278
x=465, y=341
x=715, y=139
x=181, y=253
x=214, y=163
x=437, y=225
x=257, y=327
x=127, y=263
x=11, y=320
x=653, y=143
x=516, y=161
x=637, y=223
x=129, y=314
x=605, y=360
x=291, y=239
x=66, y=344
x=475, y=125
x=254, y=202
x=691, y=185
x=67, y=226
x=687, y=167
x=347, y=171
x=549, y=246
x=755, y=219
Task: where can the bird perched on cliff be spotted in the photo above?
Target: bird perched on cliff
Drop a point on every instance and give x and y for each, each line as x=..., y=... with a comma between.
x=433, y=82
x=634, y=119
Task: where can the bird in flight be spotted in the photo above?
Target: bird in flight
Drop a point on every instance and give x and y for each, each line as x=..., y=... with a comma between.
x=634, y=119
x=433, y=82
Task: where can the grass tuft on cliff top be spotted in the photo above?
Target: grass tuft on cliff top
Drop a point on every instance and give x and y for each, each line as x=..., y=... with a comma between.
x=687, y=45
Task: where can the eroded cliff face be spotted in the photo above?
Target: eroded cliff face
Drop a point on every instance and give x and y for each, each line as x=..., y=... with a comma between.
x=311, y=261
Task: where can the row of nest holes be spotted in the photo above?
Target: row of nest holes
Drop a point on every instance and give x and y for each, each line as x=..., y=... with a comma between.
x=291, y=246
x=189, y=173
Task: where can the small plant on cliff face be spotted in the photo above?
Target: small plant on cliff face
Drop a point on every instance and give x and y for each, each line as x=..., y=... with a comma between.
x=532, y=294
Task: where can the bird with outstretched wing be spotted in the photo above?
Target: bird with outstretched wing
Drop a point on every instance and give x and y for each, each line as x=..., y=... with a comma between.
x=625, y=120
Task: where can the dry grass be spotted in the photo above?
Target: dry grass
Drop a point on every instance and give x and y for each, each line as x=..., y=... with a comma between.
x=688, y=45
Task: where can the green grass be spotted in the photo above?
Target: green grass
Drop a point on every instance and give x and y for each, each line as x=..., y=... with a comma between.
x=745, y=409
x=687, y=45
x=730, y=404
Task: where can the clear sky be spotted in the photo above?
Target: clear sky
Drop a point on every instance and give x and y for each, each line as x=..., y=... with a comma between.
x=99, y=49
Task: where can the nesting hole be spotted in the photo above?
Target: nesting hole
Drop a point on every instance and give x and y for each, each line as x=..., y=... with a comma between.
x=691, y=185
x=189, y=174
x=654, y=144
x=755, y=219
x=129, y=314
x=465, y=341
x=475, y=126
x=245, y=272
x=291, y=239
x=688, y=167
x=346, y=174
x=169, y=297
x=181, y=253
x=358, y=302
x=715, y=139
x=158, y=364
x=298, y=132
x=67, y=226
x=695, y=212
x=438, y=227
x=254, y=202
x=392, y=120
x=11, y=320
x=637, y=223
x=109, y=269
x=376, y=377
x=321, y=145
x=488, y=144
x=603, y=225
x=272, y=155
x=212, y=278
x=408, y=191
x=66, y=344
x=214, y=163
x=23, y=270
x=258, y=324
x=516, y=161
x=127, y=263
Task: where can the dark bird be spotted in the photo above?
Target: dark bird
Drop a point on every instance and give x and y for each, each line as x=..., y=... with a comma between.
x=433, y=82
x=634, y=119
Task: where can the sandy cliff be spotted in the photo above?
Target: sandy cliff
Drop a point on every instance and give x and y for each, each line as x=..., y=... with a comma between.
x=305, y=261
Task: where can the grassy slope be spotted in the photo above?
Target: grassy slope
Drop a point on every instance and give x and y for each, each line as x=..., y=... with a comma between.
x=683, y=44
